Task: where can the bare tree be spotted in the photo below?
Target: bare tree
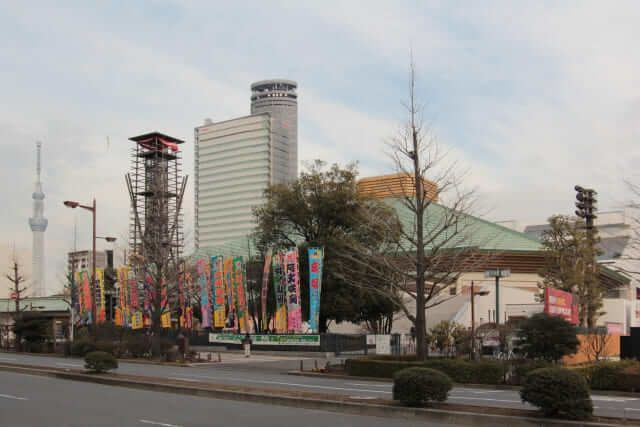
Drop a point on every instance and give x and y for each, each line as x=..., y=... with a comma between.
x=433, y=244
x=596, y=345
x=16, y=291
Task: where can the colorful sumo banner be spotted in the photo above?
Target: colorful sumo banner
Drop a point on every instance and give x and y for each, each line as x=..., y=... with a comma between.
x=204, y=278
x=217, y=273
x=264, y=292
x=280, y=290
x=241, y=294
x=560, y=303
x=315, y=287
x=232, y=319
x=294, y=309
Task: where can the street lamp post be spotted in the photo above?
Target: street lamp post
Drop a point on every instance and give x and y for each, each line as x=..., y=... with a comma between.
x=92, y=209
x=498, y=273
x=473, y=318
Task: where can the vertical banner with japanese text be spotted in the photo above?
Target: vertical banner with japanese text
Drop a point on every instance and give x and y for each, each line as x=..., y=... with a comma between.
x=123, y=284
x=100, y=301
x=86, y=297
x=294, y=309
x=218, y=291
x=232, y=320
x=241, y=296
x=264, y=292
x=280, y=290
x=315, y=287
x=204, y=278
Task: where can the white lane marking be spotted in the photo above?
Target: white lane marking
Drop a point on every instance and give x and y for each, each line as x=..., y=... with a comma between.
x=369, y=385
x=484, y=398
x=73, y=365
x=631, y=409
x=612, y=399
x=183, y=379
x=362, y=397
x=8, y=358
x=157, y=423
x=9, y=396
x=478, y=391
x=294, y=384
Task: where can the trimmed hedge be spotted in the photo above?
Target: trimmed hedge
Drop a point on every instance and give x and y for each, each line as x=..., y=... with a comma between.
x=100, y=361
x=558, y=391
x=460, y=371
x=617, y=376
x=418, y=386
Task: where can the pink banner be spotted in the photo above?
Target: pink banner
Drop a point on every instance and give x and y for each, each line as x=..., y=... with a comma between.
x=294, y=310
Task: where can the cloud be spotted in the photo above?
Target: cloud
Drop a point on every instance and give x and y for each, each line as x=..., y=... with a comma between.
x=530, y=100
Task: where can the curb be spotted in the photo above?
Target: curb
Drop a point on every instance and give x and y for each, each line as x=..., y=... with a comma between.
x=478, y=386
x=425, y=414
x=134, y=361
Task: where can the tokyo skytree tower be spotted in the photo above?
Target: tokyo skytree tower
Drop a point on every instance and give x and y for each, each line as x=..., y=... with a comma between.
x=38, y=225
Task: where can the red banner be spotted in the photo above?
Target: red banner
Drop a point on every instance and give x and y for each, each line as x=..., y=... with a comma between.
x=560, y=303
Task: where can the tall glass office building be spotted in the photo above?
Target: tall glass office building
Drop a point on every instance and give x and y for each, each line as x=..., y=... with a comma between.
x=236, y=160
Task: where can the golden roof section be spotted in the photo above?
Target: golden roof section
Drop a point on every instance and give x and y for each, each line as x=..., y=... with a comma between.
x=394, y=185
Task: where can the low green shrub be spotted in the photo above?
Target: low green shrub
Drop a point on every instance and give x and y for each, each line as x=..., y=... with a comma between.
x=558, y=392
x=418, y=386
x=459, y=370
x=80, y=347
x=521, y=368
x=100, y=361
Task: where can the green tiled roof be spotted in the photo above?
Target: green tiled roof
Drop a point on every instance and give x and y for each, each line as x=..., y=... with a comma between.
x=473, y=232
x=240, y=247
x=55, y=303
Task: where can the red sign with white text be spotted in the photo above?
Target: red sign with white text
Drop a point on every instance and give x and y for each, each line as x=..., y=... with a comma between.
x=560, y=303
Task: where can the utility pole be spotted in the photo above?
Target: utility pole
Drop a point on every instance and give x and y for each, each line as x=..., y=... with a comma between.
x=16, y=279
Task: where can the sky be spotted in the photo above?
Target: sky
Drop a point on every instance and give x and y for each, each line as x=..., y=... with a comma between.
x=530, y=98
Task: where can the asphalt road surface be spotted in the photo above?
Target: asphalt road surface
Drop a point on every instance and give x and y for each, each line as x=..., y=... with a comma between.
x=34, y=401
x=270, y=372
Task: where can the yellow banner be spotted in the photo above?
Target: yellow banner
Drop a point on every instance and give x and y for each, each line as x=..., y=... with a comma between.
x=136, y=320
x=119, y=320
x=281, y=319
x=165, y=320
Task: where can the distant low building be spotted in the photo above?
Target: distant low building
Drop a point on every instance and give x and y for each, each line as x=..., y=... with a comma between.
x=53, y=309
x=82, y=260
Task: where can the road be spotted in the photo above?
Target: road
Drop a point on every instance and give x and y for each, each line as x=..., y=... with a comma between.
x=270, y=372
x=30, y=401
